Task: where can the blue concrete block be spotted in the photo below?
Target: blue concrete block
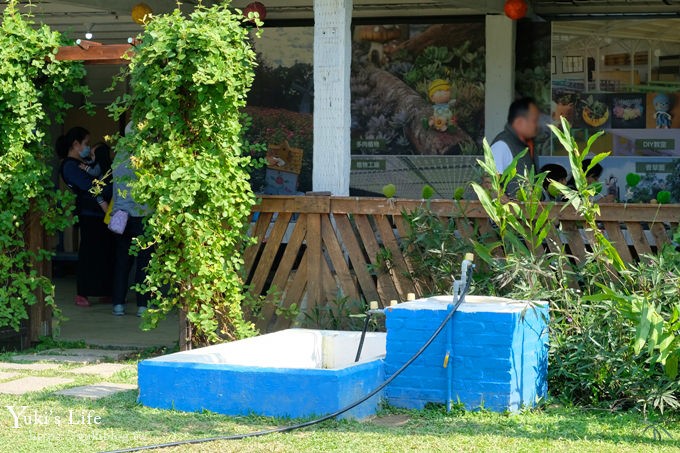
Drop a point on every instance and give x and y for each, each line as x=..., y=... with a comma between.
x=275, y=392
x=497, y=353
x=246, y=377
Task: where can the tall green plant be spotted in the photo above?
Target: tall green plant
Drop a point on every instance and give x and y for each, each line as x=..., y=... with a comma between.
x=32, y=88
x=656, y=325
x=522, y=222
x=189, y=78
x=614, y=325
x=581, y=198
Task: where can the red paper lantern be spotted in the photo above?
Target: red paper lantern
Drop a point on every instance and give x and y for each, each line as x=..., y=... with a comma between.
x=255, y=7
x=516, y=9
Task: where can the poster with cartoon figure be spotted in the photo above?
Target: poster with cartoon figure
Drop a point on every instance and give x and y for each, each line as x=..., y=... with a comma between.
x=663, y=110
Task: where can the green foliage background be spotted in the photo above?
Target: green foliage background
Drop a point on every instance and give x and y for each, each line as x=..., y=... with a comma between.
x=32, y=89
x=189, y=79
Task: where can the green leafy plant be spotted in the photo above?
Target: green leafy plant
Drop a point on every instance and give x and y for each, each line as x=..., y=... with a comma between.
x=581, y=198
x=614, y=325
x=521, y=228
x=518, y=262
x=189, y=79
x=32, y=89
x=433, y=249
x=342, y=313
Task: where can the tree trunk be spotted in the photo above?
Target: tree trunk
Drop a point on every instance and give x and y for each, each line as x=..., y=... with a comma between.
x=391, y=90
x=39, y=314
x=185, y=336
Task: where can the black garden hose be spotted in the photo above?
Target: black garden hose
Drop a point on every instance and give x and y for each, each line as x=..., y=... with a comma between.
x=285, y=429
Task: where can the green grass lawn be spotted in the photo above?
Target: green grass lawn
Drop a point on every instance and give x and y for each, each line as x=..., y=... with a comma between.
x=124, y=423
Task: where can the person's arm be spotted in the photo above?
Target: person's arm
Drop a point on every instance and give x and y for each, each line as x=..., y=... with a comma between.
x=502, y=156
x=78, y=179
x=92, y=170
x=75, y=177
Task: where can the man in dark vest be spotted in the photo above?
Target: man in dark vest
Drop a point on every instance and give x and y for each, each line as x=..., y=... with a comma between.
x=518, y=135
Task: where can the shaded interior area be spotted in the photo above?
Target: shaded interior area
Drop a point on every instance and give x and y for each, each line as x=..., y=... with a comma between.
x=96, y=325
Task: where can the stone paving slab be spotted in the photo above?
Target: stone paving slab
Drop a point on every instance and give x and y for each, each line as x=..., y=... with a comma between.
x=395, y=420
x=104, y=370
x=28, y=366
x=96, y=391
x=84, y=356
x=31, y=384
x=4, y=375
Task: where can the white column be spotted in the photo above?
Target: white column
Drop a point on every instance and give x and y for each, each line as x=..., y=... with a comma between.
x=500, y=73
x=332, y=119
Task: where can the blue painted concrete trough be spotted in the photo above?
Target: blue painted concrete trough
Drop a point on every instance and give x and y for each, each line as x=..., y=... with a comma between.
x=292, y=373
x=497, y=353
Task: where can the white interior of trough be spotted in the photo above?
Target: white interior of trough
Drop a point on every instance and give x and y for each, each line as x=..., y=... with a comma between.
x=291, y=348
x=470, y=304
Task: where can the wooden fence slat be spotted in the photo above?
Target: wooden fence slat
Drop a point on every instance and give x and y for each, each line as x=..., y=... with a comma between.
x=386, y=289
x=284, y=269
x=576, y=245
x=485, y=229
x=349, y=240
x=638, y=237
x=271, y=248
x=660, y=235
x=402, y=226
x=337, y=258
x=466, y=228
x=314, y=258
x=294, y=293
x=399, y=265
x=617, y=239
x=329, y=285
x=403, y=230
x=553, y=241
x=261, y=227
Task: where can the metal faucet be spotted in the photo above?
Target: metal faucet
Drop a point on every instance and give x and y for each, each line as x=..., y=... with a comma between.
x=459, y=285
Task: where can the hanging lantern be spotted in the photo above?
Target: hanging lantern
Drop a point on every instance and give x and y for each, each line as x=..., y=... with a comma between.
x=141, y=13
x=516, y=9
x=255, y=7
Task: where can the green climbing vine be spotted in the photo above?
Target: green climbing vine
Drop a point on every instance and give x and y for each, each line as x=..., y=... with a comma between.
x=189, y=78
x=32, y=88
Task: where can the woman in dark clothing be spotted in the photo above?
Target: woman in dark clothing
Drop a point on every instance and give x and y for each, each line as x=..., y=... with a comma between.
x=95, y=252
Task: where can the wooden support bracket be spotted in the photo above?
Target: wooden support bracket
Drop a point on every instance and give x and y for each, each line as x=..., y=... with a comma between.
x=92, y=52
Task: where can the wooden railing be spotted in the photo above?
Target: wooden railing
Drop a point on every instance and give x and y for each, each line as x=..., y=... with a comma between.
x=310, y=249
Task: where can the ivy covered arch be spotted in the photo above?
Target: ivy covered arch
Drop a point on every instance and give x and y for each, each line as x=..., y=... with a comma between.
x=32, y=88
x=189, y=79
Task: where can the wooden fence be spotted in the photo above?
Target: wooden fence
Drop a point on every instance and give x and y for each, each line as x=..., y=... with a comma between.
x=310, y=249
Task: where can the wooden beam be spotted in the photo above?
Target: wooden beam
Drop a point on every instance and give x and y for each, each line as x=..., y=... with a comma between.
x=95, y=54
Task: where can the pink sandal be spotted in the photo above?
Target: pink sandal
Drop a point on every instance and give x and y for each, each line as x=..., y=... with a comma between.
x=82, y=301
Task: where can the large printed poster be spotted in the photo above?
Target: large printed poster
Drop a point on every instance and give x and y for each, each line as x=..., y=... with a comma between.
x=640, y=122
x=417, y=106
